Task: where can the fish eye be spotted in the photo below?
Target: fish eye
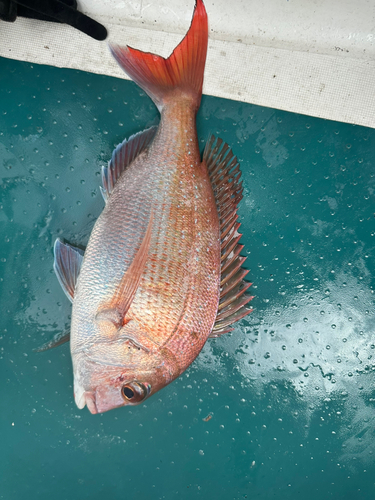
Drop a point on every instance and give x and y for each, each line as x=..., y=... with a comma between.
x=135, y=392
x=128, y=392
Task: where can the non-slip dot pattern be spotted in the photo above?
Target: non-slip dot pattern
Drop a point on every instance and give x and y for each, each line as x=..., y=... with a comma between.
x=282, y=406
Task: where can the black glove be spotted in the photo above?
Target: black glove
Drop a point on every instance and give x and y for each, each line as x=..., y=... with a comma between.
x=61, y=11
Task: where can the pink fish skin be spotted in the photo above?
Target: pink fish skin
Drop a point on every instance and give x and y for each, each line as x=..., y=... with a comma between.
x=162, y=269
x=123, y=353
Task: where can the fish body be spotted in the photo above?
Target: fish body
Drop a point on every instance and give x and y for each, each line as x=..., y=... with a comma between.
x=147, y=292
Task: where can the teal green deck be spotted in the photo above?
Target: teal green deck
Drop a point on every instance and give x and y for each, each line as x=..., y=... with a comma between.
x=290, y=391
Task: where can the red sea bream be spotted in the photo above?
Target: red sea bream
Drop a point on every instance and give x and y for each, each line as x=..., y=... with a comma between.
x=162, y=270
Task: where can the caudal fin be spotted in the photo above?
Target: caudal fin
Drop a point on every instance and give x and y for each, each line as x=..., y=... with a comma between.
x=182, y=70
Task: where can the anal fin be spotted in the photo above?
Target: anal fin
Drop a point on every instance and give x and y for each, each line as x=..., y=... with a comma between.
x=124, y=154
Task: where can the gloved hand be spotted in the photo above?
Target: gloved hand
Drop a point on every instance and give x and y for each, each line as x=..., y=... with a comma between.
x=61, y=11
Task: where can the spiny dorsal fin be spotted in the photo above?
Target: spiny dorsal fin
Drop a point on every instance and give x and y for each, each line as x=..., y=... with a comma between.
x=122, y=157
x=67, y=265
x=225, y=174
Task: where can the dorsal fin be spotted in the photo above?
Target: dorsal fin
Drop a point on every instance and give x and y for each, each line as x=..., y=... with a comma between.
x=225, y=174
x=122, y=157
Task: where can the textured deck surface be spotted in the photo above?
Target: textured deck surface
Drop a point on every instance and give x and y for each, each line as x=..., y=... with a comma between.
x=315, y=58
x=290, y=392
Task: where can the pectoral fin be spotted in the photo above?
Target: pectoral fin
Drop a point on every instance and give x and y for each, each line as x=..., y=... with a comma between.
x=116, y=310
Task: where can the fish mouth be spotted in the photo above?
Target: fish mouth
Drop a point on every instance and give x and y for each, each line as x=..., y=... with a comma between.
x=87, y=399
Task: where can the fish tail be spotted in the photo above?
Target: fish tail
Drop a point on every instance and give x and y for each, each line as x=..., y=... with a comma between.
x=181, y=72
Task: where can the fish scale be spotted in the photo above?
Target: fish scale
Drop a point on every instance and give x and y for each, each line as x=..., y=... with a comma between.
x=162, y=271
x=170, y=266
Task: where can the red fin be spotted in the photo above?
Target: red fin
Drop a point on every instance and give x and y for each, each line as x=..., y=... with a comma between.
x=183, y=69
x=225, y=175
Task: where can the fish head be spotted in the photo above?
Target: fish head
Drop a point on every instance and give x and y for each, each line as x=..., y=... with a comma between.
x=120, y=372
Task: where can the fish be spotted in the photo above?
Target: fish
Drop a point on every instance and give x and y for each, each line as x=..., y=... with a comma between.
x=162, y=271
